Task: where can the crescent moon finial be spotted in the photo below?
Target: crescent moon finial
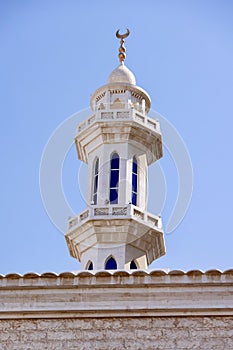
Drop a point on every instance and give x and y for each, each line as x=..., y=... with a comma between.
x=122, y=36
x=122, y=49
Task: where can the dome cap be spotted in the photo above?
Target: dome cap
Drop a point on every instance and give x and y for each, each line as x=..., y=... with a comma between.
x=122, y=74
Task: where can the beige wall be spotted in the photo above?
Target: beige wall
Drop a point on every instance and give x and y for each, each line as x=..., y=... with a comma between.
x=117, y=310
x=118, y=333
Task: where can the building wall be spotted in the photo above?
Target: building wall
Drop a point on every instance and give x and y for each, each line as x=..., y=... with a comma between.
x=141, y=309
x=118, y=333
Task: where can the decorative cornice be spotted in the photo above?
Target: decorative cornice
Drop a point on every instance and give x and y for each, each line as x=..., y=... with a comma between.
x=116, y=294
x=114, y=277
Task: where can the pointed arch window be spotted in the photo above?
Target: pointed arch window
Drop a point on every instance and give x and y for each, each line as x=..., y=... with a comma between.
x=111, y=264
x=95, y=181
x=133, y=265
x=134, y=181
x=89, y=265
x=114, y=178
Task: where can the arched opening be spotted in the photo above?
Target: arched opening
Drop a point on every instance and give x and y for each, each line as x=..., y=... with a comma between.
x=134, y=181
x=114, y=179
x=111, y=264
x=89, y=265
x=95, y=181
x=133, y=265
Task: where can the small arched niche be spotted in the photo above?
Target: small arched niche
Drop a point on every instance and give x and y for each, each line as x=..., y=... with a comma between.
x=111, y=264
x=133, y=265
x=89, y=265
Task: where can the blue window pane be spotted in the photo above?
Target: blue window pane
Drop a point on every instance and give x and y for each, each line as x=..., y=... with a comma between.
x=111, y=264
x=135, y=166
x=114, y=178
x=133, y=265
x=115, y=161
x=113, y=195
x=95, y=198
x=134, y=183
x=96, y=184
x=134, y=198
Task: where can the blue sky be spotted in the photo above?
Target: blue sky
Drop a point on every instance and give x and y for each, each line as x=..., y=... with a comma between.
x=55, y=54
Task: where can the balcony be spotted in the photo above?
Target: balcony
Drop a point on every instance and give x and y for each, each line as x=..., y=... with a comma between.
x=120, y=115
x=113, y=212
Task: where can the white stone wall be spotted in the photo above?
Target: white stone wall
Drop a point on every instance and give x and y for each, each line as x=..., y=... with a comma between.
x=150, y=333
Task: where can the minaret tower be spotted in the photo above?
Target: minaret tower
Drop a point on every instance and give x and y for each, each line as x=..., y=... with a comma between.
x=118, y=142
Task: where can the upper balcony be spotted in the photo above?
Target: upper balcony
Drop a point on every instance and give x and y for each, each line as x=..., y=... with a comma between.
x=123, y=114
x=126, y=125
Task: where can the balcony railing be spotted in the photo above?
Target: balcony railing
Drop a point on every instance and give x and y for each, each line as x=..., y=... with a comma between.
x=120, y=114
x=128, y=211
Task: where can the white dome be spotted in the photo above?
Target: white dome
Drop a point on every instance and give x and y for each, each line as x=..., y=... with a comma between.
x=122, y=75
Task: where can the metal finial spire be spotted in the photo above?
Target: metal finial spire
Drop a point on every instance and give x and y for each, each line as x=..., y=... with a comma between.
x=122, y=48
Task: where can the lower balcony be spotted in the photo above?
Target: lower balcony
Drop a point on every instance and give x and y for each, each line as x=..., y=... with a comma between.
x=127, y=230
x=128, y=211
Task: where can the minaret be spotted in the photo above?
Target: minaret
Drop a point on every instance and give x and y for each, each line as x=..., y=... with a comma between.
x=118, y=142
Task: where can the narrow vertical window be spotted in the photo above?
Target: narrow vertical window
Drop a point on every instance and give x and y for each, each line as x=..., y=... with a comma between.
x=95, y=181
x=111, y=264
x=134, y=181
x=114, y=179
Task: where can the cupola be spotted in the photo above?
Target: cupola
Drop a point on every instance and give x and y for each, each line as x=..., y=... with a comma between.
x=122, y=74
